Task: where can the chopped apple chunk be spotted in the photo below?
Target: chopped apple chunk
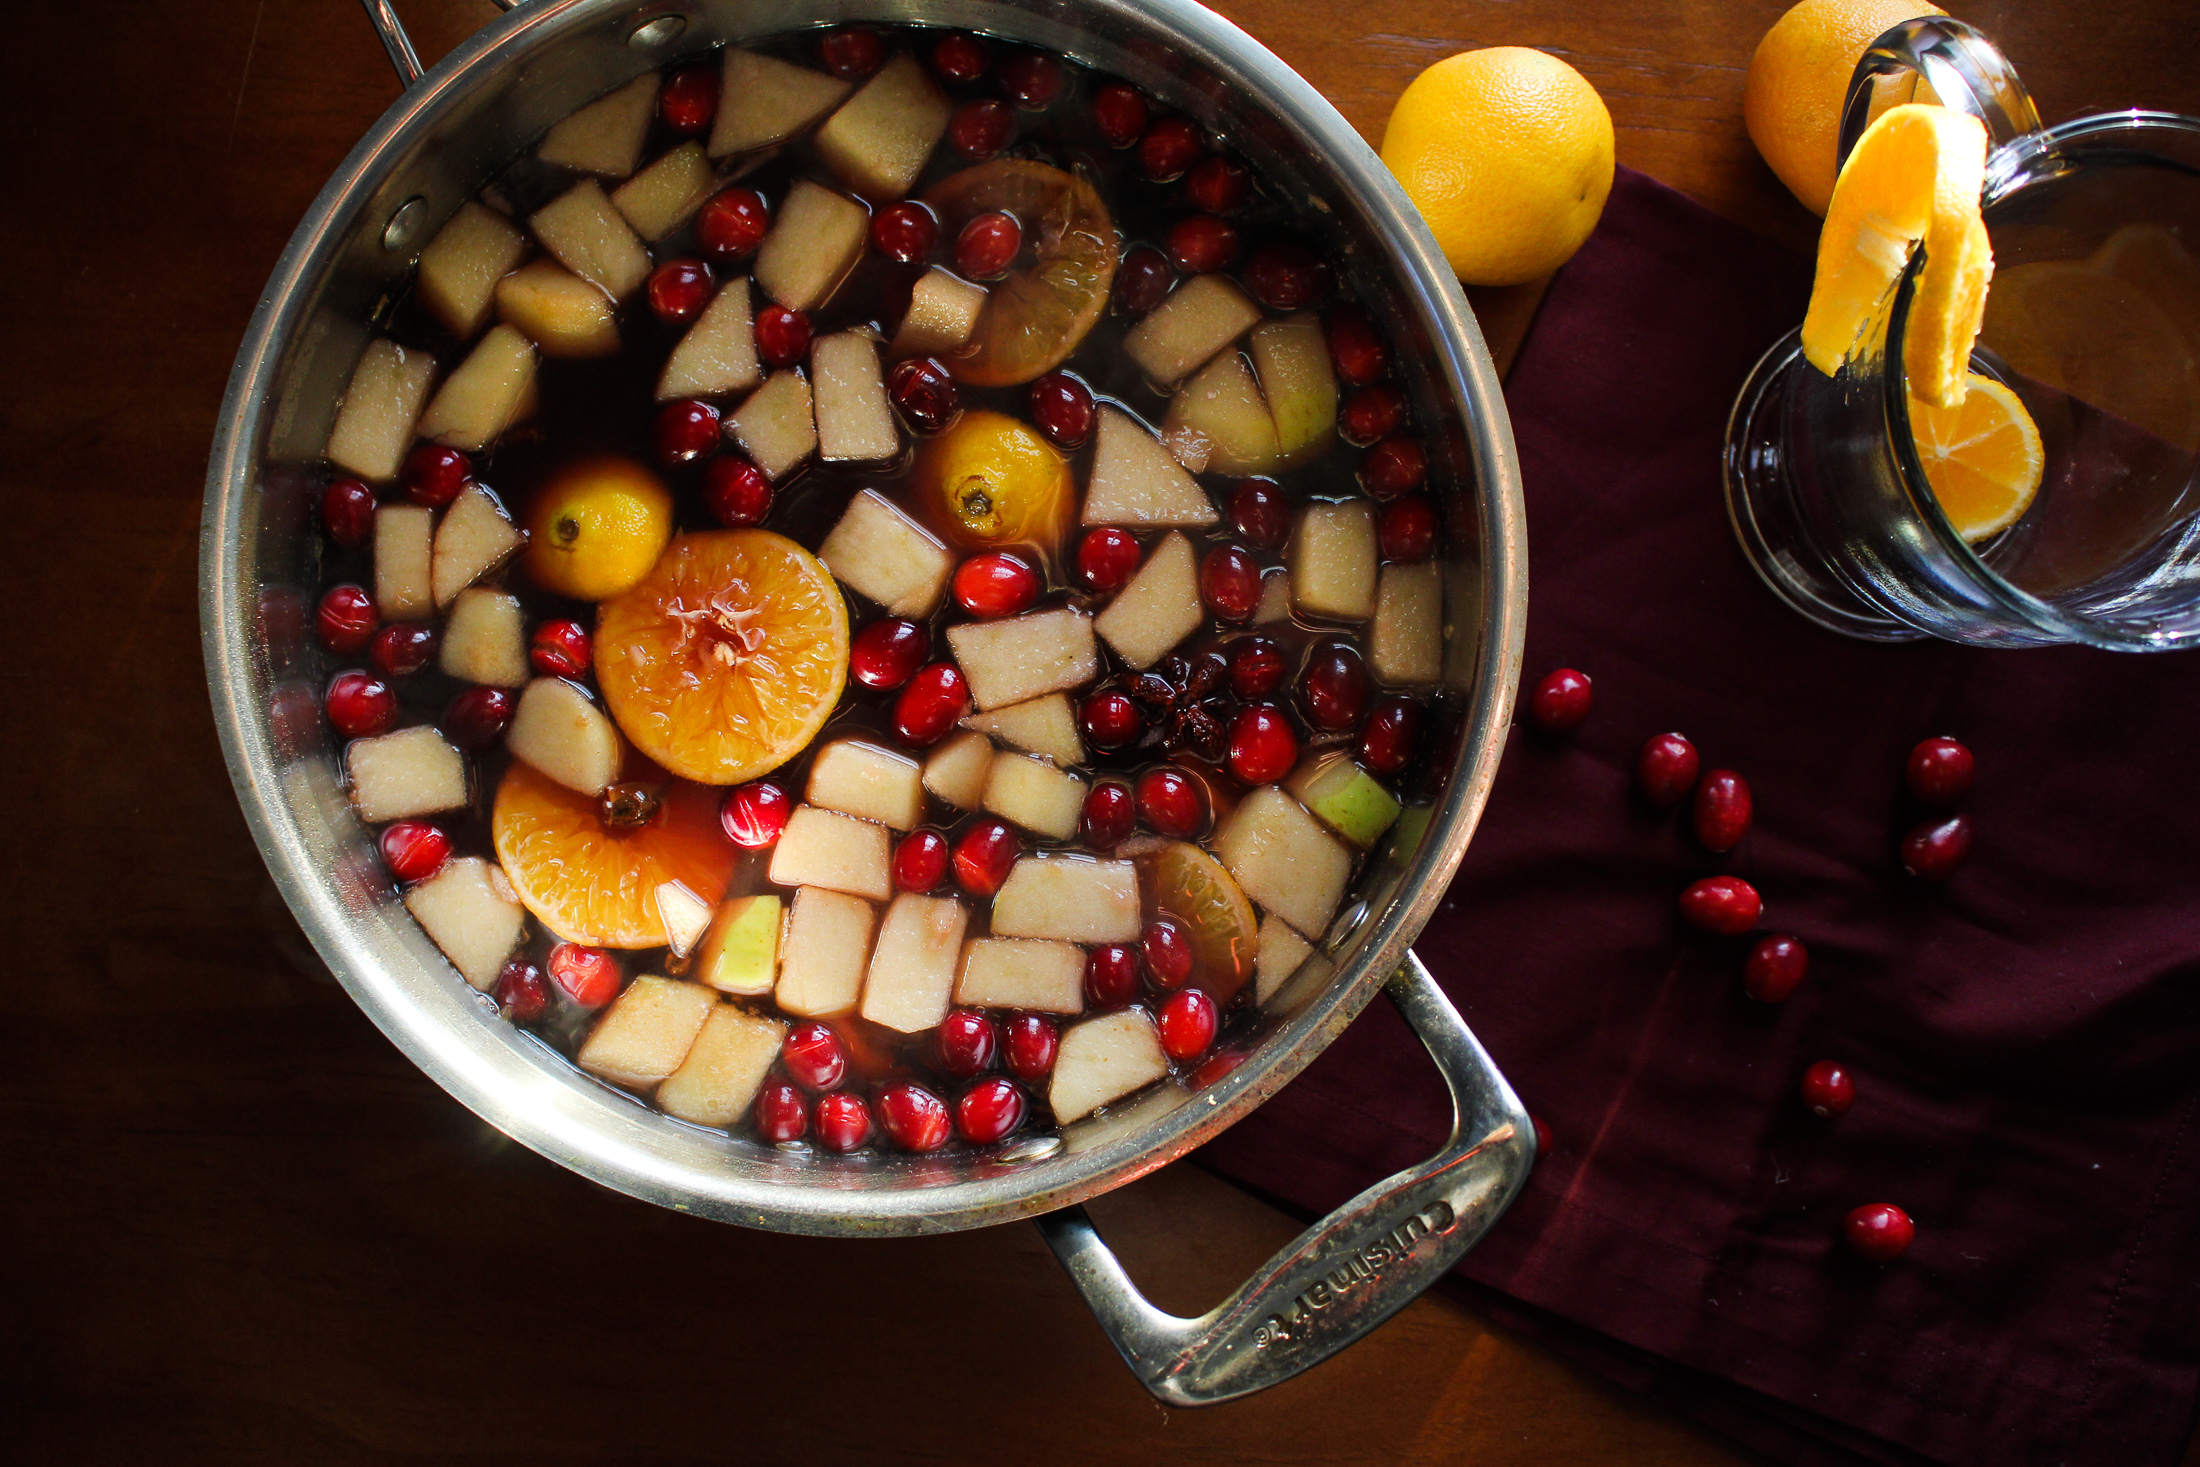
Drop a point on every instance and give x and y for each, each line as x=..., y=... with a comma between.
x=774, y=427
x=1070, y=899
x=718, y=354
x=868, y=780
x=913, y=963
x=879, y=551
x=1045, y=726
x=763, y=100
x=956, y=769
x=1344, y=797
x=564, y=315
x=560, y=731
x=1159, y=607
x=374, y=425
x=395, y=776
x=473, y=914
x=660, y=198
x=824, y=953
x=1275, y=598
x=647, y=1032
x=1277, y=954
x=741, y=953
x=943, y=312
x=592, y=239
x=1406, y=644
x=461, y=266
x=880, y=138
x=1030, y=973
x=482, y=398
x=1137, y=482
x=1201, y=317
x=485, y=639
x=605, y=137
x=686, y=916
x=1291, y=357
x=855, y=423
x=1332, y=558
x=1283, y=858
x=825, y=848
x=1102, y=1060
x=404, y=562
x=1024, y=657
x=476, y=537
x=724, y=1068
x=816, y=237
x=1221, y=419
x=1035, y=795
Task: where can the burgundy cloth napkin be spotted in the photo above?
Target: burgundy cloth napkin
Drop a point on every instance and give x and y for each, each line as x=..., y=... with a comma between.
x=2025, y=1040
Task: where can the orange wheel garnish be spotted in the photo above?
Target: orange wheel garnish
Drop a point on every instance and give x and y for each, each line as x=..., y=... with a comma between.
x=1191, y=885
x=1035, y=317
x=728, y=657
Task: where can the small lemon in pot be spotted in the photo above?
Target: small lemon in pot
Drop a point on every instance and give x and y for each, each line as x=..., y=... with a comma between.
x=991, y=480
x=597, y=528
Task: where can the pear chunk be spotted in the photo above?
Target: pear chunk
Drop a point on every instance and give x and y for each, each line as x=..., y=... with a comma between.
x=1070, y=899
x=943, y=312
x=855, y=423
x=1104, y=1059
x=606, y=136
x=1137, y=482
x=564, y=315
x=1332, y=559
x=1344, y=797
x=660, y=198
x=1023, y=657
x=1406, y=644
x=741, y=953
x=560, y=731
x=485, y=639
x=1275, y=598
x=718, y=353
x=1220, y=418
x=374, y=426
x=774, y=427
x=483, y=397
x=647, y=1032
x=913, y=962
x=404, y=560
x=1043, y=726
x=461, y=266
x=815, y=239
x=1283, y=858
x=395, y=776
x=824, y=953
x=1277, y=954
x=956, y=769
x=763, y=101
x=1158, y=608
x=685, y=915
x=879, y=551
x=879, y=140
x=1022, y=973
x=591, y=239
x=724, y=1068
x=476, y=537
x=870, y=781
x=1035, y=795
x=473, y=914
x=1201, y=317
x=1292, y=358
x=825, y=848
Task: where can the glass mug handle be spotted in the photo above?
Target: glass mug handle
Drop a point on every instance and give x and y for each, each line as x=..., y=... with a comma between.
x=1963, y=68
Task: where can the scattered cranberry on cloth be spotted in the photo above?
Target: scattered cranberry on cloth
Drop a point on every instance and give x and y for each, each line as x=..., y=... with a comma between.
x=2024, y=1040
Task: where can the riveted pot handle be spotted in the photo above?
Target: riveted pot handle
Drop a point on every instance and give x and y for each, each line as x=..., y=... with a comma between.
x=399, y=45
x=1965, y=70
x=1347, y=1273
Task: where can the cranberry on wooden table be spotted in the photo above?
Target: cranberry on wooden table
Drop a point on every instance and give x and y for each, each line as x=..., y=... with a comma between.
x=1406, y=530
x=1879, y=1231
x=1827, y=1090
x=1665, y=769
x=360, y=704
x=586, y=975
x=1285, y=275
x=1120, y=114
x=851, y=52
x=402, y=648
x=736, y=491
x=1032, y=79
x=477, y=717
x=1110, y=814
x=733, y=223
x=1257, y=666
x=1721, y=811
x=434, y=474
x=965, y=1042
x=1062, y=408
x=561, y=647
x=345, y=621
x=1391, y=735
x=920, y=861
x=905, y=233
x=929, y=705
x=924, y=393
x=1775, y=968
x=913, y=1117
x=754, y=814
x=980, y=128
x=994, y=585
x=989, y=1111
x=782, y=1113
x=1110, y=721
x=988, y=245
x=1726, y=905
x=1029, y=1046
x=1166, y=948
x=347, y=512
x=1263, y=745
x=678, y=290
x=959, y=58
x=1199, y=243
x=1393, y=467
x=814, y=1055
x=888, y=652
x=1938, y=773
x=842, y=1121
x=1356, y=349
x=1187, y=1023
x=1171, y=803
x=1935, y=848
x=1561, y=701
x=1106, y=557
x=1542, y=1137
x=690, y=99
x=1142, y=281
x=414, y=850
x=522, y=992
x=984, y=856
x=1111, y=976
x=782, y=336
x=1229, y=582
x=1259, y=512
x=685, y=430
x=1171, y=145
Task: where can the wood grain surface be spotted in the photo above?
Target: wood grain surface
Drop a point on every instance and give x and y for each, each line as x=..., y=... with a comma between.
x=239, y=1227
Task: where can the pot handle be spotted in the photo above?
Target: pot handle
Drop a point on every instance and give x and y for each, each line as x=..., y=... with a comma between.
x=1347, y=1273
x=383, y=15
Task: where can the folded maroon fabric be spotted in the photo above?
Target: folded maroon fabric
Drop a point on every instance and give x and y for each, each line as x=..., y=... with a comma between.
x=2025, y=1039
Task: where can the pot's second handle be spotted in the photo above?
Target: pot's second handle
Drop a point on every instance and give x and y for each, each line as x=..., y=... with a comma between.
x=399, y=45
x=1349, y=1272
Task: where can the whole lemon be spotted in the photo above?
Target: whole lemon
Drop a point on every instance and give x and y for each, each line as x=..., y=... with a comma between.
x=1799, y=77
x=994, y=481
x=597, y=528
x=1507, y=152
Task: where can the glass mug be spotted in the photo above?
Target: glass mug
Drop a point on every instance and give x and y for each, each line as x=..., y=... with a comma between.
x=2092, y=319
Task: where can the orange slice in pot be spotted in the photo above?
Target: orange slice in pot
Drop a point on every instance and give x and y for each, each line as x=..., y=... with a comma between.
x=1186, y=882
x=1036, y=316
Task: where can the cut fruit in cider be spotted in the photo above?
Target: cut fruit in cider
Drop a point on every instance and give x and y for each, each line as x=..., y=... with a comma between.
x=1186, y=882
x=1913, y=178
x=1983, y=458
x=1036, y=317
x=728, y=657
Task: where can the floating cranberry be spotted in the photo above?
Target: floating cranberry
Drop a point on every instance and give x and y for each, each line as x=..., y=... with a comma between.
x=1263, y=746
x=1726, y=905
x=988, y=245
x=1285, y=275
x=1827, y=1090
x=1561, y=701
x=1229, y=582
x=733, y=223
x=887, y=653
x=736, y=491
x=1355, y=350
x=1406, y=529
x=1166, y=948
x=345, y=620
x=1120, y=114
x=905, y=232
x=782, y=336
x=360, y=704
x=685, y=430
x=1111, y=976
x=989, y=1111
x=853, y=53
x=1106, y=557
x=965, y=1040
x=1187, y=1023
x=1878, y=1231
x=924, y=393
x=782, y=1113
x=561, y=648
x=1171, y=803
x=755, y=813
x=347, y=512
x=984, y=856
x=1257, y=667
x=1775, y=967
x=913, y=1117
x=920, y=861
x=814, y=1055
x=842, y=1120
x=1062, y=407
x=1110, y=721
x=1199, y=243
x=1170, y=146
x=586, y=975
x=1334, y=687
x=1218, y=184
x=928, y=707
x=402, y=648
x=1032, y=79
x=414, y=850
x=1392, y=467
x=690, y=99
x=477, y=717
x=1142, y=281
x=980, y=128
x=678, y=290
x=1375, y=411
x=522, y=991
x=1109, y=815
x=958, y=58
x=1029, y=1046
x=994, y=585
x=1721, y=811
x=1665, y=770
x=1935, y=848
x=1391, y=735
x=1938, y=773
x=434, y=474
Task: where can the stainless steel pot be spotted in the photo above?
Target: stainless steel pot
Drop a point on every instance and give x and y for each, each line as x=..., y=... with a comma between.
x=453, y=127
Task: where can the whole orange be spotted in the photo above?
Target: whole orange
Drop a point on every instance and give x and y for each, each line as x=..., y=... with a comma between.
x=1799, y=77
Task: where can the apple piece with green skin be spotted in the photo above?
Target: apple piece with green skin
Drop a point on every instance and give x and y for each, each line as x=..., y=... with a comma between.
x=765, y=100
x=1220, y=417
x=1291, y=357
x=597, y=528
x=1344, y=797
x=740, y=954
x=724, y=1068
x=660, y=198
x=605, y=137
x=1406, y=836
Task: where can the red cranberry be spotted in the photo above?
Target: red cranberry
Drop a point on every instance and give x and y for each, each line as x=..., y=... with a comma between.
x=1665, y=770
x=1187, y=1023
x=1262, y=745
x=1111, y=976
x=1110, y=721
x=1393, y=467
x=1166, y=948
x=1032, y=79
x=347, y=512
x=402, y=648
x=814, y=1055
x=690, y=99
x=988, y=245
x=852, y=53
x=958, y=58
x=1938, y=773
x=1775, y=967
x=345, y=619
x=1259, y=512
x=1285, y=275
x=1375, y=411
x=736, y=491
x=966, y=1040
x=886, y=653
x=913, y=1117
x=1721, y=810
x=1726, y=905
x=1355, y=350
x=980, y=128
x=924, y=393
x=920, y=861
x=1542, y=1136
x=989, y=1111
x=685, y=430
x=1106, y=557
x=1171, y=803
x=1391, y=735
x=1030, y=1046
x=1827, y=1090
x=1935, y=848
x=1110, y=814
x=733, y=223
x=1170, y=146
x=1229, y=582
x=782, y=336
x=1120, y=114
x=782, y=1113
x=586, y=975
x=679, y=289
x=928, y=707
x=1062, y=407
x=1257, y=667
x=434, y=474
x=1561, y=701
x=984, y=856
x=1334, y=687
x=1218, y=184
x=360, y=704
x=522, y=992
x=843, y=1121
x=1142, y=281
x=477, y=717
x=1215, y=1068
x=1199, y=243
x=994, y=585
x=905, y=232
x=1406, y=530
x=414, y=850
x=1878, y=1231
x=755, y=813
x=561, y=648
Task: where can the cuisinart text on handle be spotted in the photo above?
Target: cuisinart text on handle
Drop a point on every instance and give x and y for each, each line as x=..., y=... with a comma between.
x=1358, y=1267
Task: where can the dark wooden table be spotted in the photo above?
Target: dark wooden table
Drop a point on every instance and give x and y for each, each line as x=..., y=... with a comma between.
x=238, y=1226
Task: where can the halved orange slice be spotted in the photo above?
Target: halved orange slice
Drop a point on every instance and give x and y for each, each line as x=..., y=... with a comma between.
x=1035, y=317
x=1983, y=458
x=1185, y=881
x=727, y=658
